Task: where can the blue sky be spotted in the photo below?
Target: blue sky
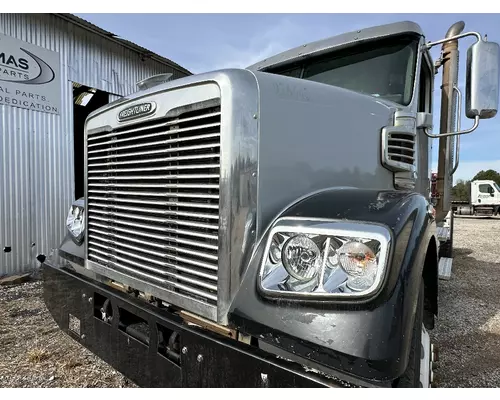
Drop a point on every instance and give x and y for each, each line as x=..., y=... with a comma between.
x=204, y=42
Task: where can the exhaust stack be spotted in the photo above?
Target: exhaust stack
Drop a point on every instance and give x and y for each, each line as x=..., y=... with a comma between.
x=449, y=61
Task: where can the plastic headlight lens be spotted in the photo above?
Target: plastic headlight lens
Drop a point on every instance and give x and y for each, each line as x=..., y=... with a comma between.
x=320, y=258
x=75, y=222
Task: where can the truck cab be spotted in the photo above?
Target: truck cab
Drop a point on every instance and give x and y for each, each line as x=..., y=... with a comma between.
x=484, y=199
x=270, y=226
x=484, y=192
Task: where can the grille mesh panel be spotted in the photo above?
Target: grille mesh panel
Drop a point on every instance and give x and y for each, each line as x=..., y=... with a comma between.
x=153, y=201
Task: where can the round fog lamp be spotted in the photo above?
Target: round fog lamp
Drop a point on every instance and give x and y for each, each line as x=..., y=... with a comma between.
x=301, y=258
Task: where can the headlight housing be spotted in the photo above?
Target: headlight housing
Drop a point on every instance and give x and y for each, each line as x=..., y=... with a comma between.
x=314, y=258
x=75, y=221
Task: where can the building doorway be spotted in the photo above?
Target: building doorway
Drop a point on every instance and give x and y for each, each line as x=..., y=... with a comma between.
x=85, y=100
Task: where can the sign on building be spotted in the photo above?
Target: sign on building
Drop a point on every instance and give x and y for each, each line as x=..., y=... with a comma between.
x=30, y=76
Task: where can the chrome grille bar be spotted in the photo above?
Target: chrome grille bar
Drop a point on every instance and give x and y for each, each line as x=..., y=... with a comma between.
x=153, y=185
x=152, y=243
x=153, y=202
x=155, y=160
x=149, y=152
x=138, y=129
x=146, y=177
x=136, y=271
x=170, y=133
x=162, y=228
x=156, y=194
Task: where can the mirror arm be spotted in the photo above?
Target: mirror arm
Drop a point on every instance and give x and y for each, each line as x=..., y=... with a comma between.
x=464, y=132
x=459, y=117
x=456, y=37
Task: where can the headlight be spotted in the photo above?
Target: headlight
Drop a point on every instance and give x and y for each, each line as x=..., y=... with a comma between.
x=75, y=222
x=318, y=258
x=301, y=258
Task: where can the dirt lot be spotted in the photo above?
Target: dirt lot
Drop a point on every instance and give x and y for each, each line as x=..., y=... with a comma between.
x=468, y=328
x=34, y=353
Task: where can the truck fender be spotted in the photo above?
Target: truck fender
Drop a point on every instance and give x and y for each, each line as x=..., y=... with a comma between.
x=368, y=339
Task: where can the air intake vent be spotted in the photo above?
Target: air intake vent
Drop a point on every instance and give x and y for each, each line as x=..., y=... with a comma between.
x=153, y=203
x=399, y=148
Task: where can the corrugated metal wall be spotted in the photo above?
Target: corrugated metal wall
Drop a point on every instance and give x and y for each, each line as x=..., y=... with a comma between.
x=36, y=149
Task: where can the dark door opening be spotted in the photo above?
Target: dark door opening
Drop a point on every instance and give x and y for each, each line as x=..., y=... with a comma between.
x=85, y=100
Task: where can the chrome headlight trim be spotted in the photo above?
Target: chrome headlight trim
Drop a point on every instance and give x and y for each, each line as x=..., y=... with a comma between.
x=330, y=228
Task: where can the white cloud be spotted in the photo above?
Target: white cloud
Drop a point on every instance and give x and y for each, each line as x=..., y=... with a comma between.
x=283, y=35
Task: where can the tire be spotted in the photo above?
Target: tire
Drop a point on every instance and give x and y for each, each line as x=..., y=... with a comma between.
x=412, y=376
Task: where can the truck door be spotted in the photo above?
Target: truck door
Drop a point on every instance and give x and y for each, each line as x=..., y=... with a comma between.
x=496, y=195
x=486, y=193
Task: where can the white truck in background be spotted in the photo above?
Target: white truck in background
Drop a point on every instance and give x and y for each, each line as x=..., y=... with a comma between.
x=484, y=199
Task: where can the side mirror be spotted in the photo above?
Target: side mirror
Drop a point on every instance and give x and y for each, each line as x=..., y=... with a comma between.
x=482, y=80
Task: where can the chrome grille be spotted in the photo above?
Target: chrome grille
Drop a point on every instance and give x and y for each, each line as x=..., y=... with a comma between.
x=153, y=200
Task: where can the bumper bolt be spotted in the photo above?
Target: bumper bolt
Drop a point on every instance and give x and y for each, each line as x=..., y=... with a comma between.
x=199, y=358
x=184, y=350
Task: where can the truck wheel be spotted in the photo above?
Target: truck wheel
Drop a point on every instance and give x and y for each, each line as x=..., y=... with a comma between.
x=418, y=372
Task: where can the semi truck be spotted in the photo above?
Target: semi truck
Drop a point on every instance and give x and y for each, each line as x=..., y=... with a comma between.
x=272, y=226
x=484, y=200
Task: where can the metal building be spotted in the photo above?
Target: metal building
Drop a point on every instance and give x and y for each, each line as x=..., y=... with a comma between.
x=54, y=70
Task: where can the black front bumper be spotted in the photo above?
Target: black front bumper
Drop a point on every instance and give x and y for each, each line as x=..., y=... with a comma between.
x=203, y=360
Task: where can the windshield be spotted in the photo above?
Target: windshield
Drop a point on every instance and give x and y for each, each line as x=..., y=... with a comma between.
x=496, y=186
x=385, y=68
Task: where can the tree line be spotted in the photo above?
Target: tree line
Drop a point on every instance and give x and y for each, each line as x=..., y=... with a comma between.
x=461, y=191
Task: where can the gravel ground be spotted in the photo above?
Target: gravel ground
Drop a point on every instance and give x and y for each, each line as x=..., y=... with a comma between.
x=468, y=327
x=34, y=353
